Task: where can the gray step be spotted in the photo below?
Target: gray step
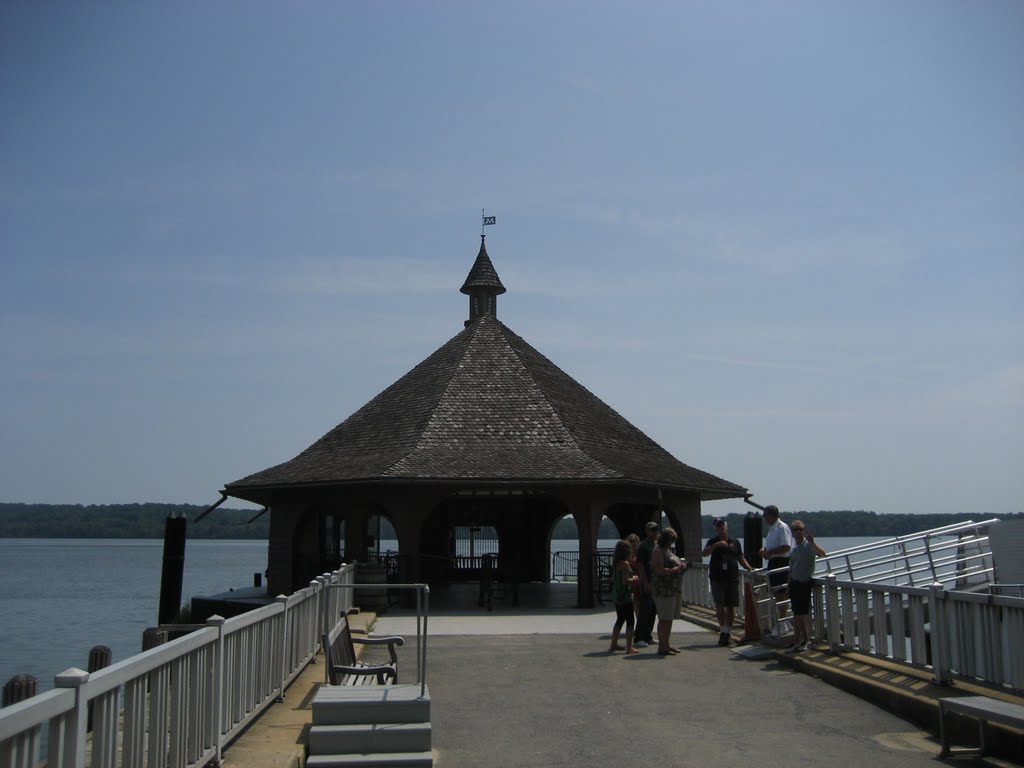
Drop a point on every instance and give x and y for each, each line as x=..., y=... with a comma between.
x=375, y=738
x=369, y=704
x=393, y=760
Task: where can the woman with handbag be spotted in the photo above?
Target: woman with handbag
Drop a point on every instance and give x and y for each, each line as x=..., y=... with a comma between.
x=668, y=588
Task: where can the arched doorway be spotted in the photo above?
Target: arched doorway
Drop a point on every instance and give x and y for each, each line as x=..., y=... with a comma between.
x=564, y=548
x=504, y=537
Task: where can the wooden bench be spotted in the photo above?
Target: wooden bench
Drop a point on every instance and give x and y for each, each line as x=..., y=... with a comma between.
x=341, y=667
x=984, y=710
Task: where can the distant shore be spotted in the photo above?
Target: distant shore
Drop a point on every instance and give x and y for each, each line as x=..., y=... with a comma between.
x=146, y=521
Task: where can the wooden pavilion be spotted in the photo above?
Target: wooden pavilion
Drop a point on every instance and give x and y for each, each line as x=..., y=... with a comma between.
x=485, y=432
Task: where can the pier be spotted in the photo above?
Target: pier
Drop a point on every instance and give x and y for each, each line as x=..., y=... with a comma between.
x=534, y=683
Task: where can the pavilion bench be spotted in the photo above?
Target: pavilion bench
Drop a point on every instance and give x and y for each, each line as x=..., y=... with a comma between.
x=984, y=710
x=341, y=667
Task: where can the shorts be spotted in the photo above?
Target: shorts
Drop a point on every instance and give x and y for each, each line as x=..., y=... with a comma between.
x=779, y=579
x=725, y=593
x=669, y=608
x=800, y=597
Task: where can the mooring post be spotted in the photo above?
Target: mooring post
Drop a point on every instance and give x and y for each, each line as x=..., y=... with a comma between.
x=100, y=656
x=19, y=688
x=173, y=567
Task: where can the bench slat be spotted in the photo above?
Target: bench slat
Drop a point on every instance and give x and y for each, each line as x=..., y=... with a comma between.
x=343, y=668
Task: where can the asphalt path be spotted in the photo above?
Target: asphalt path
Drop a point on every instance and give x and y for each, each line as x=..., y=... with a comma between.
x=561, y=700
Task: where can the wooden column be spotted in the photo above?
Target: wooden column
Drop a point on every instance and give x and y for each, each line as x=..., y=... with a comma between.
x=588, y=519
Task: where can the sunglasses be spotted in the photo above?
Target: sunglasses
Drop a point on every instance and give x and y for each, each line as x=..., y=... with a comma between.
x=797, y=530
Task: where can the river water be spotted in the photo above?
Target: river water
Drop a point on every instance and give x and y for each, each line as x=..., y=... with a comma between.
x=61, y=597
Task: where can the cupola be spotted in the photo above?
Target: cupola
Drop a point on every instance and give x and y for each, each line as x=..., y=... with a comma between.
x=483, y=286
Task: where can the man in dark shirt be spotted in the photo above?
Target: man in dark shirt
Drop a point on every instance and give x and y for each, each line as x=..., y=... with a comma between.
x=724, y=575
x=645, y=609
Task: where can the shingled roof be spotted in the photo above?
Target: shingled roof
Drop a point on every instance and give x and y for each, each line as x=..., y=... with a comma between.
x=486, y=407
x=483, y=274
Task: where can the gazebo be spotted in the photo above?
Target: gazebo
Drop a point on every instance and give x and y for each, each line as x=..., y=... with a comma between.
x=485, y=432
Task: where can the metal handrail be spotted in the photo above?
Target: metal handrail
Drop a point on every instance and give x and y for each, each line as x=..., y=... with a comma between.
x=935, y=541
x=422, y=613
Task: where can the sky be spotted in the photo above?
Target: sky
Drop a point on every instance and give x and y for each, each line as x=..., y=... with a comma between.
x=785, y=240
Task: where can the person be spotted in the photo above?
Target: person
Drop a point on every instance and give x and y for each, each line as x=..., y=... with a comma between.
x=622, y=596
x=634, y=544
x=801, y=571
x=775, y=551
x=667, y=585
x=645, y=611
x=724, y=574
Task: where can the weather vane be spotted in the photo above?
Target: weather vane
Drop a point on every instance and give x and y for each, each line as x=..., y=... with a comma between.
x=486, y=220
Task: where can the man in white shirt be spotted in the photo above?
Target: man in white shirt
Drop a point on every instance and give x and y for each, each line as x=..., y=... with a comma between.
x=775, y=551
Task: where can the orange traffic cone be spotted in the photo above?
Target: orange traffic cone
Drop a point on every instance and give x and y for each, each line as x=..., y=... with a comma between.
x=751, y=623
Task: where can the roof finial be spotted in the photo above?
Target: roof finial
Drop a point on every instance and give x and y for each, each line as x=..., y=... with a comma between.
x=486, y=220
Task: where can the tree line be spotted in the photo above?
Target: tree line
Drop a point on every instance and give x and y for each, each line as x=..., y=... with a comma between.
x=125, y=521
x=146, y=521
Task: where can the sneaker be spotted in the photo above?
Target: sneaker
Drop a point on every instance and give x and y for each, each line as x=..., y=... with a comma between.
x=639, y=644
x=794, y=648
x=723, y=638
x=804, y=646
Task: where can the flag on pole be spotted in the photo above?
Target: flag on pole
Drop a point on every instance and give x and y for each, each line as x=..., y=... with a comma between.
x=489, y=220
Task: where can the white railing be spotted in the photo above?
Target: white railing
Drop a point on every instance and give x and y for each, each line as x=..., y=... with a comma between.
x=969, y=634
x=180, y=704
x=972, y=635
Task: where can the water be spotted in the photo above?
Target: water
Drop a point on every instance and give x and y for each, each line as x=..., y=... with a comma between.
x=61, y=597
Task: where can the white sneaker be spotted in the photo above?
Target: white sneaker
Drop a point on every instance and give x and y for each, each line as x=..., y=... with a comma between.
x=639, y=644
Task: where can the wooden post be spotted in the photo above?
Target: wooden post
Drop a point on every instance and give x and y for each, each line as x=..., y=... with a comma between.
x=19, y=688
x=173, y=568
x=100, y=656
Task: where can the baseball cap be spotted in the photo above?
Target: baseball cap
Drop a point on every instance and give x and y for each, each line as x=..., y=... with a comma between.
x=719, y=521
x=652, y=526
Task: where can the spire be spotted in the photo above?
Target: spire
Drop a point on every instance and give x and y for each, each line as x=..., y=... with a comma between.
x=482, y=285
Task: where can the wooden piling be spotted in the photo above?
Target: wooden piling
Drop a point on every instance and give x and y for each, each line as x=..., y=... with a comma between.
x=19, y=688
x=100, y=656
x=173, y=568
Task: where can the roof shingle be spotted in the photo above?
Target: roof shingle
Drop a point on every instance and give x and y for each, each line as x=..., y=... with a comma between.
x=487, y=406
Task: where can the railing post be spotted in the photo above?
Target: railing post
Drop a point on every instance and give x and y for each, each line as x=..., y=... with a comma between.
x=939, y=636
x=346, y=599
x=284, y=654
x=318, y=619
x=832, y=611
x=422, y=642
x=219, y=677
x=67, y=748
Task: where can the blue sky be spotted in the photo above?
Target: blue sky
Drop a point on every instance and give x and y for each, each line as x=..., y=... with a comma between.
x=786, y=240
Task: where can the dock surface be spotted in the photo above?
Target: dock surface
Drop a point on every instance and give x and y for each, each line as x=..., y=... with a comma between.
x=511, y=690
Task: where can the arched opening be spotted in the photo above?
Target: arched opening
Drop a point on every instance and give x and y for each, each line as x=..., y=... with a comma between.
x=461, y=537
x=383, y=546
x=493, y=540
x=563, y=542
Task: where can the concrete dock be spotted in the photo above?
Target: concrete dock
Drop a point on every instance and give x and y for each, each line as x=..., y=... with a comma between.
x=518, y=687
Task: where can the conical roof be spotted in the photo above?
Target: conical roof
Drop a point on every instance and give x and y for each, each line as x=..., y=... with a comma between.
x=483, y=274
x=485, y=407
